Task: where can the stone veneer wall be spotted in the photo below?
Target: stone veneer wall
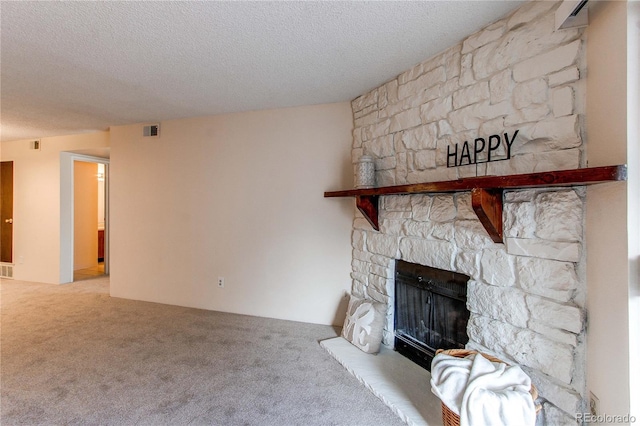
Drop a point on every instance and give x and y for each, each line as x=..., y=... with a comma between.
x=526, y=296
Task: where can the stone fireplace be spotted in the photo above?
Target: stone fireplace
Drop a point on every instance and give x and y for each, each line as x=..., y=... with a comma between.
x=522, y=295
x=526, y=297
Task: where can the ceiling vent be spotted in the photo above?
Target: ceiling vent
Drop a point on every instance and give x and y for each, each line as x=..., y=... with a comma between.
x=572, y=14
x=152, y=130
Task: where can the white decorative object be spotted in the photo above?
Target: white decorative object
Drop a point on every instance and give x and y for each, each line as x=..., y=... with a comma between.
x=365, y=172
x=363, y=324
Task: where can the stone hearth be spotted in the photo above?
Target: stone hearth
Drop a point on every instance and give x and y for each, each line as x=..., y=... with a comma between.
x=402, y=385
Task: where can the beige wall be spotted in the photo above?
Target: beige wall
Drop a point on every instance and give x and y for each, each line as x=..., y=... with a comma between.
x=238, y=196
x=607, y=216
x=85, y=214
x=36, y=229
x=633, y=194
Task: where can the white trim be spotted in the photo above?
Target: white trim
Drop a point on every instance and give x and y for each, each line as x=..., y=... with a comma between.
x=66, y=212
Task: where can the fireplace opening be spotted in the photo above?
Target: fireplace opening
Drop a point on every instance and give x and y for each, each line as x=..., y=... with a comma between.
x=430, y=311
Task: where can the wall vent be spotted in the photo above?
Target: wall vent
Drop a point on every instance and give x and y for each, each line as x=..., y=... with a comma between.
x=572, y=14
x=6, y=270
x=151, y=131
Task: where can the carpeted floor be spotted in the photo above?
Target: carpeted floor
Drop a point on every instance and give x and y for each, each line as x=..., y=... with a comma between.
x=71, y=355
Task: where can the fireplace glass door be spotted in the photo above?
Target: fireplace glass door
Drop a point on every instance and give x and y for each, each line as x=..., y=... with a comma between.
x=430, y=311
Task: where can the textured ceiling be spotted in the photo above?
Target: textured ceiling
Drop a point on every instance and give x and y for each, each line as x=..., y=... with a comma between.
x=70, y=67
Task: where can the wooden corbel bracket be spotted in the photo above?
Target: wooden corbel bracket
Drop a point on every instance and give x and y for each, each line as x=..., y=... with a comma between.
x=368, y=206
x=487, y=204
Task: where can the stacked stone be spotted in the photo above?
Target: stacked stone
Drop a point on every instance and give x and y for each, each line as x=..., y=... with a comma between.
x=517, y=74
x=527, y=296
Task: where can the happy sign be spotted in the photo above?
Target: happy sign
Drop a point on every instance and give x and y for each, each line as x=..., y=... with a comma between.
x=480, y=151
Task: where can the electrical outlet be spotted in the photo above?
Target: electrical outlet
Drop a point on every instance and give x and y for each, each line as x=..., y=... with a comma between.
x=594, y=404
x=220, y=282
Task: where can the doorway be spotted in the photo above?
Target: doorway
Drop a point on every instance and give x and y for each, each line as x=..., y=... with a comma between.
x=68, y=197
x=89, y=219
x=6, y=219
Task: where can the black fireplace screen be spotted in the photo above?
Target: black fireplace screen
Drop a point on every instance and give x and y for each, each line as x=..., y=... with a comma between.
x=430, y=311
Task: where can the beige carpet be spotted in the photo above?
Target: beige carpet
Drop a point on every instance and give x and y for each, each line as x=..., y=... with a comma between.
x=71, y=355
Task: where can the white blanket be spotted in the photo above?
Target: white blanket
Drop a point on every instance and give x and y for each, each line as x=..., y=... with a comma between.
x=482, y=392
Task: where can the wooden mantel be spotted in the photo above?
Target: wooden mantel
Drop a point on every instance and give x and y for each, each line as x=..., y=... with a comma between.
x=486, y=191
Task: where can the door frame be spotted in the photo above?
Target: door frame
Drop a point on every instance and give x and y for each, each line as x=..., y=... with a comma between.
x=67, y=160
x=11, y=262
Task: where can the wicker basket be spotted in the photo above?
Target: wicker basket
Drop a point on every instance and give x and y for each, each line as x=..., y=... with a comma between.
x=450, y=418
